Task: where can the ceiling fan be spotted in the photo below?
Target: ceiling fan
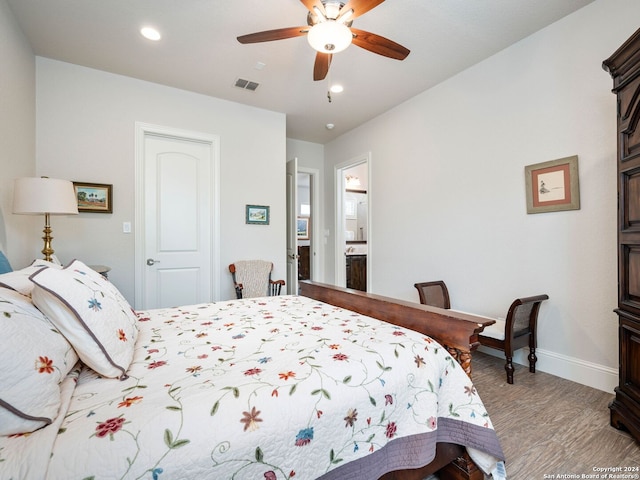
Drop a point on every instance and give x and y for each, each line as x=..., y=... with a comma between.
x=329, y=31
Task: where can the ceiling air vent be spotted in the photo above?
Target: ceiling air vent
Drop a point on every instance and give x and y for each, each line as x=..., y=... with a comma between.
x=246, y=84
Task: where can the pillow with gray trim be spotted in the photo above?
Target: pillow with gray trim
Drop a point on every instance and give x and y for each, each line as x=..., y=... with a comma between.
x=18, y=280
x=91, y=313
x=34, y=360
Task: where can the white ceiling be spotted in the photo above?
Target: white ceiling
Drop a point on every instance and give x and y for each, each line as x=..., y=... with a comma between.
x=199, y=51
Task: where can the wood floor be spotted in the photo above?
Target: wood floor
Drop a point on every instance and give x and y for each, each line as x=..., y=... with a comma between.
x=551, y=426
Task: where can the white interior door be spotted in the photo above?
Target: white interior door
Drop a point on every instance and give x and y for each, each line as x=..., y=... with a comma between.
x=292, y=226
x=178, y=215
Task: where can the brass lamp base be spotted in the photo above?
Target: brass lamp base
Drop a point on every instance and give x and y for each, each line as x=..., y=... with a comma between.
x=47, y=251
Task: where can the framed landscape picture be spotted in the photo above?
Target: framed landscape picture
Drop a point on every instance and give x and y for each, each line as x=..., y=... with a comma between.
x=94, y=197
x=257, y=214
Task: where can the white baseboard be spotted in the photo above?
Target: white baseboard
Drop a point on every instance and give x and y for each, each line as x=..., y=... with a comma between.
x=579, y=371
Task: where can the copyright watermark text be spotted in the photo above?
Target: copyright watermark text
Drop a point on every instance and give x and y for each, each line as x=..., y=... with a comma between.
x=599, y=473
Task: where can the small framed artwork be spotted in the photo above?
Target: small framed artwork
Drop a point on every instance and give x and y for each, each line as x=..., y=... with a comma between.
x=257, y=214
x=94, y=197
x=303, y=228
x=553, y=186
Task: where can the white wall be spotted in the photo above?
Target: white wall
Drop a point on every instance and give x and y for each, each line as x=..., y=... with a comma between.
x=85, y=132
x=19, y=234
x=448, y=190
x=310, y=155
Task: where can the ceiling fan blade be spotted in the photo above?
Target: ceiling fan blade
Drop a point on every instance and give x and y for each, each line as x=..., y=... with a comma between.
x=321, y=66
x=360, y=7
x=278, y=34
x=380, y=45
x=314, y=3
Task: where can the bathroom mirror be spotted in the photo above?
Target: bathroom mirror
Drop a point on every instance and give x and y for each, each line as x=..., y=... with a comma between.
x=355, y=208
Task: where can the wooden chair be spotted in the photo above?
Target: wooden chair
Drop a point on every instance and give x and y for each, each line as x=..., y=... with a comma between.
x=516, y=331
x=433, y=293
x=252, y=278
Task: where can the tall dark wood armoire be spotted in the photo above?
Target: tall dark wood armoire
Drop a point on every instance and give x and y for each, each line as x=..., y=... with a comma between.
x=624, y=67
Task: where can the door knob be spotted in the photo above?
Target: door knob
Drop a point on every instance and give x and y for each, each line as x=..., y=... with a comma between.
x=151, y=261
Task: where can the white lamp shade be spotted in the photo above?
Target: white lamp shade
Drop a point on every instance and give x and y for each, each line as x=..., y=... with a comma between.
x=329, y=37
x=38, y=196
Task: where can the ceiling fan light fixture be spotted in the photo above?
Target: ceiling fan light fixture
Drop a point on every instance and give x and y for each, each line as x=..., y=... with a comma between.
x=329, y=37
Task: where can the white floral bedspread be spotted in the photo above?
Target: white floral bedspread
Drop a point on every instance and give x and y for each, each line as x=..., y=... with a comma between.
x=271, y=388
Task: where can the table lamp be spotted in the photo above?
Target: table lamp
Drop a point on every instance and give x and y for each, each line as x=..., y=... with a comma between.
x=44, y=196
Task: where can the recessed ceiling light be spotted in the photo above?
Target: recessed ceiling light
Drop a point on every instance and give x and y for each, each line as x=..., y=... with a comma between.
x=150, y=33
x=336, y=88
x=329, y=126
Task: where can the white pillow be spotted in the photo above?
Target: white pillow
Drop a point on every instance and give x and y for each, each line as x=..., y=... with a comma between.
x=34, y=360
x=91, y=313
x=18, y=280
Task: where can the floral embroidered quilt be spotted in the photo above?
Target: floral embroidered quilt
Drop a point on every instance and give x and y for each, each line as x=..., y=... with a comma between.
x=270, y=388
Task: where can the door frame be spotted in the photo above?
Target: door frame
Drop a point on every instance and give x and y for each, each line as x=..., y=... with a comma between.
x=141, y=131
x=340, y=260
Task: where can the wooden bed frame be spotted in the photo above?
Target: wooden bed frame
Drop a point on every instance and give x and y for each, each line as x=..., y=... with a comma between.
x=457, y=332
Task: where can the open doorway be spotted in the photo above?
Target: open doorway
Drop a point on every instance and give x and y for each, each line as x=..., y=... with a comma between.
x=304, y=225
x=353, y=243
x=311, y=225
x=304, y=231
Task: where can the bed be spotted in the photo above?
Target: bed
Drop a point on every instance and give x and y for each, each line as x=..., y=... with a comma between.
x=309, y=386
